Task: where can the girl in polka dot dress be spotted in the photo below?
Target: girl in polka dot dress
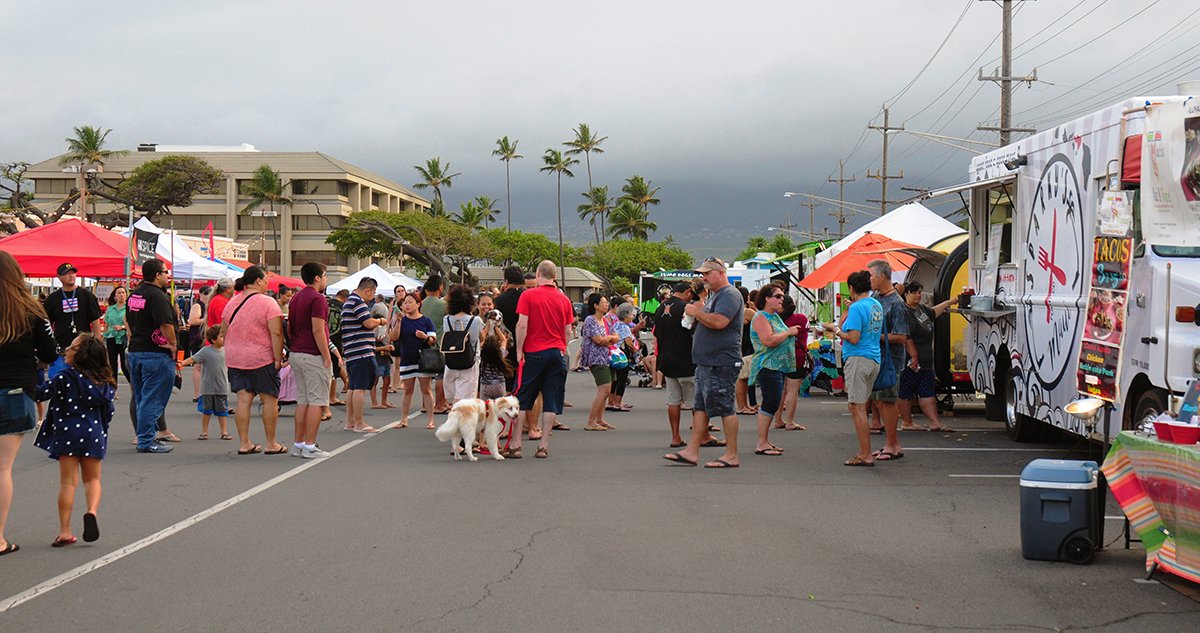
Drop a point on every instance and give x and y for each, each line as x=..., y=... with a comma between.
x=76, y=430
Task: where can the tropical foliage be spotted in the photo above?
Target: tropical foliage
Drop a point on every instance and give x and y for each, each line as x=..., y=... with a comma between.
x=525, y=249
x=640, y=191
x=587, y=143
x=556, y=163
x=436, y=244
x=506, y=150
x=630, y=221
x=87, y=148
x=628, y=258
x=595, y=209
x=476, y=214
x=778, y=244
x=435, y=176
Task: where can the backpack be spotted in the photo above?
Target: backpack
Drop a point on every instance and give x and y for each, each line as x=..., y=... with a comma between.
x=335, y=319
x=457, y=346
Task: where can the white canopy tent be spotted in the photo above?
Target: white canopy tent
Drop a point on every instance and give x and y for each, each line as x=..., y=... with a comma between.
x=913, y=223
x=387, y=281
x=186, y=263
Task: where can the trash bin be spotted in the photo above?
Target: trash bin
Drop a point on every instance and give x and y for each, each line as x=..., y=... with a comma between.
x=1058, y=517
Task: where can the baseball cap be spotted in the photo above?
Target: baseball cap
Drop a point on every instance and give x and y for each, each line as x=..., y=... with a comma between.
x=67, y=268
x=711, y=264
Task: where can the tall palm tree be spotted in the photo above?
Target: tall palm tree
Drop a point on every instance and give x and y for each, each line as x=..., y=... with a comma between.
x=631, y=221
x=487, y=209
x=597, y=206
x=85, y=149
x=639, y=191
x=265, y=188
x=507, y=151
x=555, y=162
x=587, y=143
x=435, y=176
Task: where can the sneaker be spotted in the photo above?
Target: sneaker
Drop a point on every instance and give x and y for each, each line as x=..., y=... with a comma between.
x=296, y=451
x=315, y=453
x=157, y=447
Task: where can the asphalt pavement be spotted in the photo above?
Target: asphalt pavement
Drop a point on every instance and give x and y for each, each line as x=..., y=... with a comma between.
x=390, y=533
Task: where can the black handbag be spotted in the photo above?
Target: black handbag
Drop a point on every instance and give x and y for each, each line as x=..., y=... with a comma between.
x=432, y=361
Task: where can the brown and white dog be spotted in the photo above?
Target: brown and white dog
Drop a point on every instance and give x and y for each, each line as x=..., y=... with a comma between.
x=471, y=415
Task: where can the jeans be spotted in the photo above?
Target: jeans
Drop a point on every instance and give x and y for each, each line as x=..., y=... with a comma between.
x=151, y=375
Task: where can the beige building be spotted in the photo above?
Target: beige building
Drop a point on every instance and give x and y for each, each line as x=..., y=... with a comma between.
x=324, y=189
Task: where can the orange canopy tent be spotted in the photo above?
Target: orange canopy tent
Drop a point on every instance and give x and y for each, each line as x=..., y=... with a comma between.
x=94, y=250
x=273, y=279
x=866, y=248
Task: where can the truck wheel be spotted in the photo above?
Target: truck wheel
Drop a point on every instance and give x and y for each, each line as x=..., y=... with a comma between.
x=1152, y=402
x=1020, y=428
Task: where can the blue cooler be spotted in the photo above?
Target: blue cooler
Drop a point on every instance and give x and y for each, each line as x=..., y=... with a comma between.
x=1058, y=510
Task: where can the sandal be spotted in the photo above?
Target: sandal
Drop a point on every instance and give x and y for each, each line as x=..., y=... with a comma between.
x=858, y=461
x=63, y=542
x=595, y=427
x=941, y=429
x=169, y=437
x=326, y=417
x=202, y=436
x=542, y=452
x=511, y=453
x=226, y=436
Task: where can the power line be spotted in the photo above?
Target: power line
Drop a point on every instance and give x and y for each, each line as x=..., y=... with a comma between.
x=892, y=102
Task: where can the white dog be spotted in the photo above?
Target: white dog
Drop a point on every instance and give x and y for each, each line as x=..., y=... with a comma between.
x=471, y=415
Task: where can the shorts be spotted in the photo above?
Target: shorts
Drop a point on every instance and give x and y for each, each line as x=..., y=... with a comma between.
x=18, y=413
x=312, y=379
x=680, y=390
x=213, y=405
x=744, y=373
x=714, y=389
x=886, y=395
x=859, y=373
x=771, y=383
x=799, y=374
x=916, y=384
x=264, y=380
x=492, y=390
x=602, y=374
x=383, y=366
x=544, y=373
x=361, y=372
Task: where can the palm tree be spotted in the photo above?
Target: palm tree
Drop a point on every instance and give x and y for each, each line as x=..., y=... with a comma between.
x=84, y=149
x=557, y=163
x=639, y=191
x=437, y=209
x=265, y=187
x=470, y=215
x=586, y=143
x=434, y=175
x=507, y=151
x=487, y=209
x=597, y=206
x=631, y=221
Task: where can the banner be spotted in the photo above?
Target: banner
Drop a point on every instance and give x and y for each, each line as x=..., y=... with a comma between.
x=1100, y=352
x=1171, y=174
x=145, y=245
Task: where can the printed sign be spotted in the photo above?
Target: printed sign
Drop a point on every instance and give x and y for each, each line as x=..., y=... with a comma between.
x=145, y=244
x=1104, y=328
x=1171, y=174
x=1116, y=214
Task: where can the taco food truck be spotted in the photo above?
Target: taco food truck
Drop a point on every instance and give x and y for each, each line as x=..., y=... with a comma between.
x=1084, y=267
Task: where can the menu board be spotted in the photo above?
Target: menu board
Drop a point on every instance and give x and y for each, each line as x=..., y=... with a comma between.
x=1100, y=352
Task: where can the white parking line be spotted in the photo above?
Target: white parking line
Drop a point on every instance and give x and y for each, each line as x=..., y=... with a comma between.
x=992, y=450
x=987, y=476
x=112, y=557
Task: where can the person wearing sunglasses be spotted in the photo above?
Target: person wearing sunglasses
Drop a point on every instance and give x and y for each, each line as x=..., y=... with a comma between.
x=774, y=357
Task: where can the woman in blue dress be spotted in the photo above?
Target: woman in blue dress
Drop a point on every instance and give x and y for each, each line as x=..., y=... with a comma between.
x=76, y=430
x=415, y=333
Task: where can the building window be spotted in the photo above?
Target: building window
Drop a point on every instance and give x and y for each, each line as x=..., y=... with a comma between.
x=375, y=200
x=328, y=258
x=52, y=186
x=316, y=223
x=299, y=187
x=254, y=223
x=192, y=223
x=344, y=189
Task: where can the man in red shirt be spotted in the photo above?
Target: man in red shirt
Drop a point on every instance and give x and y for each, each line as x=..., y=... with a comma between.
x=308, y=329
x=221, y=296
x=544, y=322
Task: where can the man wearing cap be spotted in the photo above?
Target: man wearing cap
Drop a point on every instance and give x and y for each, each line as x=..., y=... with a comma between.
x=152, y=345
x=72, y=309
x=717, y=353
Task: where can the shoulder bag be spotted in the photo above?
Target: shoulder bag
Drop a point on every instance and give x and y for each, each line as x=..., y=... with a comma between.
x=432, y=361
x=887, y=370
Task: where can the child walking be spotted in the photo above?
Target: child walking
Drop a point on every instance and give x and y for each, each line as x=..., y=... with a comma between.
x=75, y=431
x=214, y=382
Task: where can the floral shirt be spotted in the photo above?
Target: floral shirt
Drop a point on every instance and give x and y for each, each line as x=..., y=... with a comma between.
x=593, y=354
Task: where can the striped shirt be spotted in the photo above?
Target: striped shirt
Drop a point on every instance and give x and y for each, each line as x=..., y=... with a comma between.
x=357, y=341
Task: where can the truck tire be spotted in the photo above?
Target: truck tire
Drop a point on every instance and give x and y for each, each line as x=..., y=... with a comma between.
x=1020, y=428
x=1151, y=402
x=994, y=405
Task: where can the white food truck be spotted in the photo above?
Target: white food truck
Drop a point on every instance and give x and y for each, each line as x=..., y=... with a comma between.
x=1041, y=284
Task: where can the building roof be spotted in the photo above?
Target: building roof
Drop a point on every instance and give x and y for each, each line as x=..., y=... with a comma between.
x=312, y=164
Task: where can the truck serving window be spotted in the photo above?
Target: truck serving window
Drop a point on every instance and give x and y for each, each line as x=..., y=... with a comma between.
x=1000, y=211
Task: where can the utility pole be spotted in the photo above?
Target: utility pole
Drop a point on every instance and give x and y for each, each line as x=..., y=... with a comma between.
x=840, y=214
x=882, y=175
x=812, y=220
x=1003, y=76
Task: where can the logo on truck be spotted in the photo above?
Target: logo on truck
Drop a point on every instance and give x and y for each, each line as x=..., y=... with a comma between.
x=1053, y=271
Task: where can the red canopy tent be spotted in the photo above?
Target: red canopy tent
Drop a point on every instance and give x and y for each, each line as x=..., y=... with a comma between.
x=866, y=248
x=273, y=279
x=95, y=251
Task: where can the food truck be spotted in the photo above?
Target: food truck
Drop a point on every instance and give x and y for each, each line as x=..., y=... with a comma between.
x=1084, y=267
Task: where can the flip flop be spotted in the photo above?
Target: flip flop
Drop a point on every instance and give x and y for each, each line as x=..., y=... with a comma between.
x=858, y=461
x=226, y=436
x=596, y=427
x=887, y=456
x=63, y=542
x=770, y=452
x=9, y=549
x=281, y=450
x=560, y=427
x=202, y=436
x=795, y=427
x=169, y=437
x=713, y=442
x=941, y=429
x=722, y=464
x=91, y=529
x=914, y=428
x=878, y=431
x=255, y=449
x=678, y=445
x=327, y=416
x=679, y=459
x=366, y=429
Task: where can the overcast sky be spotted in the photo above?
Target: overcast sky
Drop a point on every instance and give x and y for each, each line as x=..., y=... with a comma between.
x=724, y=105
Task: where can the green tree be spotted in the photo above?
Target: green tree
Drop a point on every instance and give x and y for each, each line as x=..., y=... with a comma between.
x=631, y=221
x=640, y=191
x=587, y=143
x=469, y=215
x=487, y=209
x=171, y=181
x=556, y=163
x=435, y=243
x=523, y=249
x=87, y=148
x=265, y=188
x=435, y=176
x=597, y=206
x=507, y=152
x=779, y=244
x=627, y=258
x=15, y=200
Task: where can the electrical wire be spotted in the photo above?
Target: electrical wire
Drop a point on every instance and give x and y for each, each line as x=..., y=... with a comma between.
x=967, y=7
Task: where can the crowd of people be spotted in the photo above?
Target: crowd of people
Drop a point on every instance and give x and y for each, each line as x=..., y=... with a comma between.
x=714, y=348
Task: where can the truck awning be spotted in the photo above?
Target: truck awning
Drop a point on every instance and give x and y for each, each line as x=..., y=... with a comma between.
x=969, y=185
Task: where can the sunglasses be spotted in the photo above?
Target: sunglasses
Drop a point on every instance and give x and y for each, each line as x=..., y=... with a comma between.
x=775, y=297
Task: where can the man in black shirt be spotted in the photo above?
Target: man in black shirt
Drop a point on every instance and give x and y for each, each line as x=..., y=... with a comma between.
x=72, y=309
x=152, y=345
x=675, y=355
x=506, y=303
